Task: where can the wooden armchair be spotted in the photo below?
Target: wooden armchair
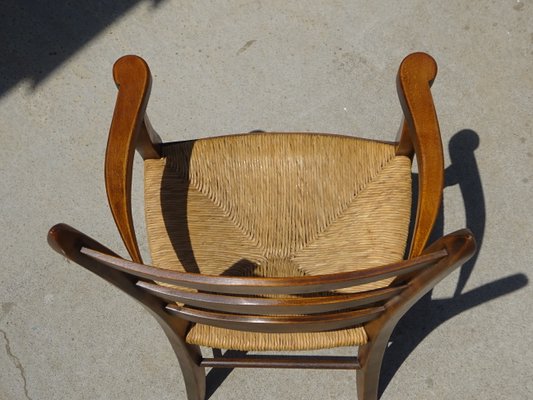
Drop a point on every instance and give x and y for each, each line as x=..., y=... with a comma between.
x=275, y=241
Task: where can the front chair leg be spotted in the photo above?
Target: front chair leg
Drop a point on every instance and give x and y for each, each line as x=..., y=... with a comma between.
x=370, y=357
x=189, y=357
x=194, y=378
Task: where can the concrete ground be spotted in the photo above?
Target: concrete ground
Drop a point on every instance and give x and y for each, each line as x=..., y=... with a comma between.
x=230, y=67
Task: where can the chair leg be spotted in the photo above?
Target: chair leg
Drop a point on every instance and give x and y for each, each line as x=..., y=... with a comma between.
x=370, y=357
x=189, y=357
x=194, y=378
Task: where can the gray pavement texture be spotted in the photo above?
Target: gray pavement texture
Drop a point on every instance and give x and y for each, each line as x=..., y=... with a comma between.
x=226, y=67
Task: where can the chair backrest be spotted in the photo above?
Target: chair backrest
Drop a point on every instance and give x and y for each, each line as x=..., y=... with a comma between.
x=301, y=304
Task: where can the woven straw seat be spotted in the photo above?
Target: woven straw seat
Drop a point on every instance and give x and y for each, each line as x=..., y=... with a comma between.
x=275, y=241
x=277, y=205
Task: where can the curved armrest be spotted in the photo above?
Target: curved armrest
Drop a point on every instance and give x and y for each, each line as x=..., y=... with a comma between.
x=130, y=130
x=421, y=135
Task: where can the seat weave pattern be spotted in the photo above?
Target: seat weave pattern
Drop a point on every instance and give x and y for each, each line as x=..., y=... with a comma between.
x=277, y=204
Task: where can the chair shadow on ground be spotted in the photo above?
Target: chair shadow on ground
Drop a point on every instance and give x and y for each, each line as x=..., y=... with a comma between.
x=428, y=314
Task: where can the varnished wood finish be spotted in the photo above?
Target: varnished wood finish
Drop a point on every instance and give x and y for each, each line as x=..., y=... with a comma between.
x=214, y=300
x=267, y=361
x=129, y=130
x=271, y=306
x=277, y=323
x=421, y=134
x=255, y=285
x=404, y=143
x=148, y=142
x=261, y=323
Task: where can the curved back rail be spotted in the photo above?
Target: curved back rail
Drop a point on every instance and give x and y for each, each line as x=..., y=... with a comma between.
x=268, y=286
x=214, y=300
x=213, y=306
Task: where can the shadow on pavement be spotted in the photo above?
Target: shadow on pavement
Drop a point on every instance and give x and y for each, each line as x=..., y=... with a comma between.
x=38, y=36
x=428, y=314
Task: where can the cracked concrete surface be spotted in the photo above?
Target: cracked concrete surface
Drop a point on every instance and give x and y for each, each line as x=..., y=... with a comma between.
x=16, y=363
x=230, y=67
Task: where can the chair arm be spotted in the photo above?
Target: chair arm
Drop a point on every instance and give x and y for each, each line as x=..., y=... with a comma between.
x=421, y=134
x=130, y=130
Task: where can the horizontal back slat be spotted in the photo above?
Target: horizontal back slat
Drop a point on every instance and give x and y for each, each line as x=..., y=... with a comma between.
x=270, y=306
x=255, y=285
x=278, y=324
